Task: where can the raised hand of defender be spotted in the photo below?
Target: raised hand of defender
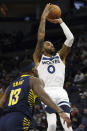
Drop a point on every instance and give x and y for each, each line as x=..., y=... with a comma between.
x=46, y=11
x=66, y=119
x=55, y=21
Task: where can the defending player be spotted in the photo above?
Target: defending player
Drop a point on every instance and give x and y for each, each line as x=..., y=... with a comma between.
x=51, y=68
x=19, y=101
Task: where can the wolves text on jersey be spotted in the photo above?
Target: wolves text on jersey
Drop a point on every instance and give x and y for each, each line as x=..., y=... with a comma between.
x=50, y=62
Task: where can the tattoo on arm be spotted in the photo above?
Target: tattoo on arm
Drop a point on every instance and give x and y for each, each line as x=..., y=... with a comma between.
x=39, y=49
x=41, y=30
x=41, y=35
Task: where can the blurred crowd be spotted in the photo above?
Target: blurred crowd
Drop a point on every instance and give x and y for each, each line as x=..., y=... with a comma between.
x=75, y=84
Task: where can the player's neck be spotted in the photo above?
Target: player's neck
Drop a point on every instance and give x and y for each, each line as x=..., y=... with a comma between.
x=47, y=54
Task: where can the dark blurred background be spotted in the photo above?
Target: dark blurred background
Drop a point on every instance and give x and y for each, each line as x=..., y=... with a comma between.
x=20, y=18
x=19, y=21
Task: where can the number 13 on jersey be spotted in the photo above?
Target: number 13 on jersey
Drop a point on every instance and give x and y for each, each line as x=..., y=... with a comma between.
x=14, y=97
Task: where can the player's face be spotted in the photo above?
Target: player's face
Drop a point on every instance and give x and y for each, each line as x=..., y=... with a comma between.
x=48, y=47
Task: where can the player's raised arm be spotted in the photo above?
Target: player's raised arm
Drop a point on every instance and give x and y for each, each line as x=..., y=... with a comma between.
x=38, y=88
x=41, y=34
x=63, y=52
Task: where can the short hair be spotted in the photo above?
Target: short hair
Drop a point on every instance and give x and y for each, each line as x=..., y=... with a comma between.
x=26, y=66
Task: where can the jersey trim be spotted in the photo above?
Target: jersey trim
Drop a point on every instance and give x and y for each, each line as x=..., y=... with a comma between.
x=26, y=75
x=50, y=58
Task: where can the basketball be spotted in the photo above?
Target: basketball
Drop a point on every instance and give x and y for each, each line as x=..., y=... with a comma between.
x=55, y=12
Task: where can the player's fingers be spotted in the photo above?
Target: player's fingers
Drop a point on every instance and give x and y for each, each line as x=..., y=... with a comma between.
x=48, y=6
x=64, y=122
x=51, y=20
x=68, y=123
x=49, y=3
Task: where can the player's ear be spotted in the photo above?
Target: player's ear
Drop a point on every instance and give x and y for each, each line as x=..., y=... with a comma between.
x=33, y=70
x=42, y=51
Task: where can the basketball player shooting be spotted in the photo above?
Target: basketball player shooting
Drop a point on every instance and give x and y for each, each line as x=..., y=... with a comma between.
x=51, y=68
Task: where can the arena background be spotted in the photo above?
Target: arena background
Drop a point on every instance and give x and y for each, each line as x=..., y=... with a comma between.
x=19, y=21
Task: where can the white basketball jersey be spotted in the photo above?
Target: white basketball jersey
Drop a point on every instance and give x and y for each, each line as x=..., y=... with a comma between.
x=52, y=71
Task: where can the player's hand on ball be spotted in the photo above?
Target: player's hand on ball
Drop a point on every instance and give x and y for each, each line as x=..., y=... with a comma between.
x=66, y=119
x=55, y=21
x=46, y=11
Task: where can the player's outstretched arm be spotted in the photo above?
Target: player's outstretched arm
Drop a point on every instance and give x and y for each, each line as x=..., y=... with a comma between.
x=38, y=87
x=3, y=99
x=41, y=34
x=63, y=52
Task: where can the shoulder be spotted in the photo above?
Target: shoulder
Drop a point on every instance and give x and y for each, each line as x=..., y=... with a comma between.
x=36, y=84
x=35, y=80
